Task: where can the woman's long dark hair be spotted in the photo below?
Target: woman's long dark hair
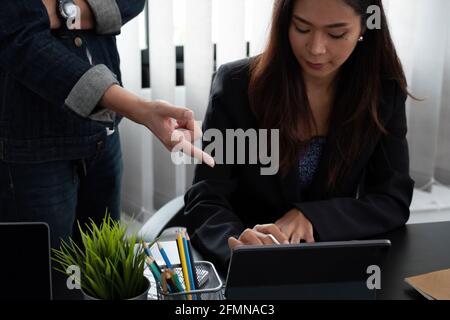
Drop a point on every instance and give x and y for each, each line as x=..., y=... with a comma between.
x=278, y=97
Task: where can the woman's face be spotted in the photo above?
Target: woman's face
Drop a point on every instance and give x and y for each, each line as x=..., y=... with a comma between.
x=323, y=35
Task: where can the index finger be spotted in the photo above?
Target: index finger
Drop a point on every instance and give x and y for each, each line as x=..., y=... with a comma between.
x=191, y=150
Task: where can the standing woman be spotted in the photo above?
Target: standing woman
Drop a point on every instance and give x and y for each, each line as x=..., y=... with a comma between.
x=336, y=90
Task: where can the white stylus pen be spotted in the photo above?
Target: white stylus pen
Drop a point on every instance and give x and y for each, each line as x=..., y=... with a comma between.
x=273, y=239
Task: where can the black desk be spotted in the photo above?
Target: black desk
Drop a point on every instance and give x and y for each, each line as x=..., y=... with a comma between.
x=416, y=249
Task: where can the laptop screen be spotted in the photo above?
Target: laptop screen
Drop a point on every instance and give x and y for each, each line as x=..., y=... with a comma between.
x=334, y=270
x=25, y=272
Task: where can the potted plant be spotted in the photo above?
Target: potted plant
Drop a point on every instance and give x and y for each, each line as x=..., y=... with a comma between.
x=111, y=265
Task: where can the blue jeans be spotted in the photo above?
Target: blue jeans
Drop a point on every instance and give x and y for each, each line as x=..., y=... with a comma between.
x=62, y=192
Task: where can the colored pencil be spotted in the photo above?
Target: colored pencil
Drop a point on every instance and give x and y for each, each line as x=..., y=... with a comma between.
x=188, y=262
x=183, y=262
x=164, y=256
x=153, y=268
x=176, y=280
x=191, y=256
x=147, y=250
x=164, y=282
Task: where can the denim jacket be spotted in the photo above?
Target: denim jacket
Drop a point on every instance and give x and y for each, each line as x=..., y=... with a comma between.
x=52, y=81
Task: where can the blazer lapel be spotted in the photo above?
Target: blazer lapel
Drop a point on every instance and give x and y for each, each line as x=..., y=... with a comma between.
x=290, y=186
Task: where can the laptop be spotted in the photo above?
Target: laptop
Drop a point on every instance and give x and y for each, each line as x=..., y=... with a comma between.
x=25, y=269
x=320, y=271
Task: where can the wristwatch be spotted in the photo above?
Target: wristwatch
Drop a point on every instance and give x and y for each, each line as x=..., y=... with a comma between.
x=68, y=9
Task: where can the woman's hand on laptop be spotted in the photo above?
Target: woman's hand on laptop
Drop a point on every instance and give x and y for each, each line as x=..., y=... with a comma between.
x=296, y=227
x=267, y=234
x=273, y=231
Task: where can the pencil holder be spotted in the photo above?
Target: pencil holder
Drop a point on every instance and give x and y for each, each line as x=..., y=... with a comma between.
x=210, y=285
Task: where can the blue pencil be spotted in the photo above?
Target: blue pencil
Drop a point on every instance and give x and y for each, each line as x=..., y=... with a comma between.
x=165, y=257
x=147, y=250
x=148, y=253
x=194, y=269
x=188, y=261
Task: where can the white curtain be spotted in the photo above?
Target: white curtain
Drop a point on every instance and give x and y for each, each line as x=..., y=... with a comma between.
x=442, y=170
x=420, y=30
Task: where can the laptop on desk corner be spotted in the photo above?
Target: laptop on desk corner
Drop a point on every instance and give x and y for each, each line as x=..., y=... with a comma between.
x=346, y=270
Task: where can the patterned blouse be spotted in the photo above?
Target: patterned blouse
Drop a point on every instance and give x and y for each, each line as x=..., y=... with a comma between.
x=309, y=160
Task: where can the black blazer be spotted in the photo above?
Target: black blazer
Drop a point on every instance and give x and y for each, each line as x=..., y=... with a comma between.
x=223, y=201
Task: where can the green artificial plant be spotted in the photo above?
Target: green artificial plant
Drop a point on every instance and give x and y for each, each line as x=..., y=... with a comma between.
x=111, y=264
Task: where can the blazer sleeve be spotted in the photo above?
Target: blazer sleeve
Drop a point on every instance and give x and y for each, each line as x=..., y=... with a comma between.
x=387, y=193
x=208, y=210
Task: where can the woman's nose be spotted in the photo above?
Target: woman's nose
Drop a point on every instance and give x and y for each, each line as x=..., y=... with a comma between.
x=317, y=44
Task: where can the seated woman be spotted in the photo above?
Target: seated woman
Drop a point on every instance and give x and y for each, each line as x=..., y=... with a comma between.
x=336, y=91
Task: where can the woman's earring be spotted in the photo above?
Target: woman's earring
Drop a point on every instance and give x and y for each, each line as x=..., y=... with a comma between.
x=361, y=39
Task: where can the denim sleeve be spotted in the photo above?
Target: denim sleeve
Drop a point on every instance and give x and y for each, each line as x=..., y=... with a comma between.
x=111, y=15
x=35, y=58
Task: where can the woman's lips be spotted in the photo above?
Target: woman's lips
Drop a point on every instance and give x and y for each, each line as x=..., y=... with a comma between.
x=315, y=66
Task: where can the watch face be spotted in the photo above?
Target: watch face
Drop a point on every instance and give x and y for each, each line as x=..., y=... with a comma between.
x=69, y=9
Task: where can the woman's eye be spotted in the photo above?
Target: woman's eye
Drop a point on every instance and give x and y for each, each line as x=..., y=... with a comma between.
x=334, y=36
x=301, y=30
x=339, y=36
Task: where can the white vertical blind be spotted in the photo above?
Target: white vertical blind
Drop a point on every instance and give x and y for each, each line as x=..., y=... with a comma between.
x=231, y=44
x=162, y=50
x=162, y=77
x=259, y=24
x=198, y=55
x=198, y=62
x=137, y=181
x=130, y=54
